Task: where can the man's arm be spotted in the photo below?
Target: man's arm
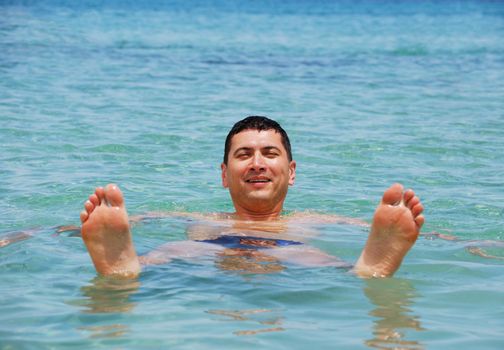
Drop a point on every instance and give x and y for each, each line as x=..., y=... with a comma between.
x=74, y=230
x=185, y=250
x=322, y=218
x=18, y=236
x=307, y=256
x=13, y=237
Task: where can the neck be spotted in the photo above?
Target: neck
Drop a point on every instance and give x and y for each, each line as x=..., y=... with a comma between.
x=255, y=215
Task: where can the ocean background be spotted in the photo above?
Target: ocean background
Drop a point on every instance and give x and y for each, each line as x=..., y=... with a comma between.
x=143, y=94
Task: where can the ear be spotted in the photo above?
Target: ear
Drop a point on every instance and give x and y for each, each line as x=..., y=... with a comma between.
x=224, y=175
x=292, y=172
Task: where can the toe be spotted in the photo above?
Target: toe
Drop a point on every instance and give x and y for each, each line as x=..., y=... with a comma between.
x=83, y=216
x=393, y=195
x=100, y=194
x=417, y=209
x=89, y=206
x=94, y=199
x=408, y=195
x=114, y=196
x=419, y=220
x=412, y=202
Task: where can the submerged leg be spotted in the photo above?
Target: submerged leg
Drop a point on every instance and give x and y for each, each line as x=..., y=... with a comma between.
x=185, y=250
x=396, y=225
x=307, y=256
x=106, y=233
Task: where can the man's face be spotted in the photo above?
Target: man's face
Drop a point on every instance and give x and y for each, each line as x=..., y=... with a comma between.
x=258, y=172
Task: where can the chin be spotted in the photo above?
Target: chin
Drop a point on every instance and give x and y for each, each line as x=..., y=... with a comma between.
x=259, y=197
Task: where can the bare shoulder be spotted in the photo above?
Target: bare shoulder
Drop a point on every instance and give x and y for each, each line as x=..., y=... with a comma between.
x=312, y=217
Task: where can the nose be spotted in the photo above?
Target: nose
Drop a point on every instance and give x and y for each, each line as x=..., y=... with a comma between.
x=258, y=162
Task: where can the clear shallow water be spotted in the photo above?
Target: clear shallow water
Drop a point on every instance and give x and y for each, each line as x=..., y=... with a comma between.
x=143, y=95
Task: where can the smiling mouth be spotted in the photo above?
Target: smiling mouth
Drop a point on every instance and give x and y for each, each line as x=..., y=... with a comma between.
x=257, y=181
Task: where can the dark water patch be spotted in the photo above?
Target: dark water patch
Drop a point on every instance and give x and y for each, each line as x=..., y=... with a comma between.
x=410, y=51
x=165, y=139
x=115, y=149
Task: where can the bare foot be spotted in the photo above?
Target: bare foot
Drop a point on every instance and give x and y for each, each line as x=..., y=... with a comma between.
x=396, y=225
x=106, y=233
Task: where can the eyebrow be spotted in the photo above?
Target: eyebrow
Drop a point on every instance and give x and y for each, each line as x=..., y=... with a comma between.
x=248, y=149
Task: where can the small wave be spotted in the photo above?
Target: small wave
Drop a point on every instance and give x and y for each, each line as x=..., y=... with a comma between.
x=410, y=51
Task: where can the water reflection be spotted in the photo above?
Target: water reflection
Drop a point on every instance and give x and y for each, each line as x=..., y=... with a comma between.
x=107, y=296
x=394, y=321
x=248, y=261
x=264, y=317
x=106, y=331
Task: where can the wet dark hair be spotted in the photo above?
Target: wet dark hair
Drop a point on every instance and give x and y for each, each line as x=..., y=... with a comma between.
x=258, y=123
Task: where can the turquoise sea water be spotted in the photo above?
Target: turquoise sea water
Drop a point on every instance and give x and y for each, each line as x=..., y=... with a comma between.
x=370, y=92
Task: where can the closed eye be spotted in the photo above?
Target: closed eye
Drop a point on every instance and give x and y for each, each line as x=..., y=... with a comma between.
x=271, y=152
x=243, y=156
x=242, y=153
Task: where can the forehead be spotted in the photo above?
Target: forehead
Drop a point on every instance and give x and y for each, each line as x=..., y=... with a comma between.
x=257, y=139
